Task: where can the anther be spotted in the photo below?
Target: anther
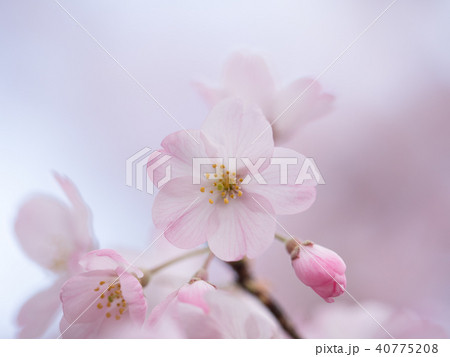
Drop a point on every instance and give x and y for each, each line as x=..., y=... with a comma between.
x=225, y=200
x=202, y=189
x=211, y=201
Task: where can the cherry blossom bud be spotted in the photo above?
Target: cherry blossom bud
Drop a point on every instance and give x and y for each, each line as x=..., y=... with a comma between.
x=319, y=268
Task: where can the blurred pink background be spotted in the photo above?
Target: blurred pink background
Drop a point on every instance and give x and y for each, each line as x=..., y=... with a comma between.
x=65, y=105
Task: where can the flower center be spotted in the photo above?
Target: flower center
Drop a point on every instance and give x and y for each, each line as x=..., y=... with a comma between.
x=224, y=183
x=111, y=300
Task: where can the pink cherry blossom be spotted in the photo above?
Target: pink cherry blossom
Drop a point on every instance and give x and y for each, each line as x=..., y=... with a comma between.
x=198, y=310
x=248, y=77
x=54, y=236
x=319, y=268
x=163, y=319
x=235, y=218
x=103, y=300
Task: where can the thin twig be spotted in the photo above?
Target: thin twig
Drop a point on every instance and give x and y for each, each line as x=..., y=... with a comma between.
x=177, y=259
x=246, y=281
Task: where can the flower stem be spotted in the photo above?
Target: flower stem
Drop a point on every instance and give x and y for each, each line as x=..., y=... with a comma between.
x=177, y=259
x=208, y=261
x=281, y=238
x=247, y=282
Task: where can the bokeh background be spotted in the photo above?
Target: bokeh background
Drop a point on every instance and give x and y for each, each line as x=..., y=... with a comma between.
x=65, y=105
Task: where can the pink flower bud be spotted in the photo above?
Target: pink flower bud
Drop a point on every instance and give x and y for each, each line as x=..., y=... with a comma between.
x=319, y=268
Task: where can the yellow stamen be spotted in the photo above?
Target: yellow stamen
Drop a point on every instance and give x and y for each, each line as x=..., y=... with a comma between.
x=108, y=315
x=99, y=306
x=222, y=166
x=239, y=193
x=225, y=200
x=232, y=196
x=214, y=166
x=202, y=189
x=211, y=201
x=102, y=282
x=117, y=317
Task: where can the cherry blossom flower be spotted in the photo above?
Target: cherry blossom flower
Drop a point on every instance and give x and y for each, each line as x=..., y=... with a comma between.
x=104, y=299
x=54, y=236
x=248, y=77
x=224, y=209
x=199, y=310
x=319, y=268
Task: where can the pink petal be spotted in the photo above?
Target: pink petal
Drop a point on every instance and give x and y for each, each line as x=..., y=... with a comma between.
x=312, y=103
x=287, y=198
x=182, y=146
x=81, y=214
x=239, y=131
x=194, y=294
x=38, y=312
x=184, y=212
x=80, y=299
x=134, y=296
x=248, y=77
x=108, y=259
x=210, y=95
x=44, y=228
x=160, y=309
x=238, y=318
x=243, y=228
x=101, y=328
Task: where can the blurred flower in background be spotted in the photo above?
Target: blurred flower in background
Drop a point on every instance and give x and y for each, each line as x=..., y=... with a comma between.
x=383, y=150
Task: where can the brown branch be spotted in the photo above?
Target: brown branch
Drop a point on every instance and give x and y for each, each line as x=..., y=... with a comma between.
x=246, y=281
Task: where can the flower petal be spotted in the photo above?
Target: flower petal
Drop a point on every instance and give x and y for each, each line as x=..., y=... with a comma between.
x=239, y=131
x=80, y=298
x=249, y=78
x=183, y=211
x=210, y=95
x=194, y=294
x=81, y=214
x=108, y=259
x=134, y=296
x=305, y=100
x=285, y=197
x=44, y=228
x=243, y=227
x=38, y=312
